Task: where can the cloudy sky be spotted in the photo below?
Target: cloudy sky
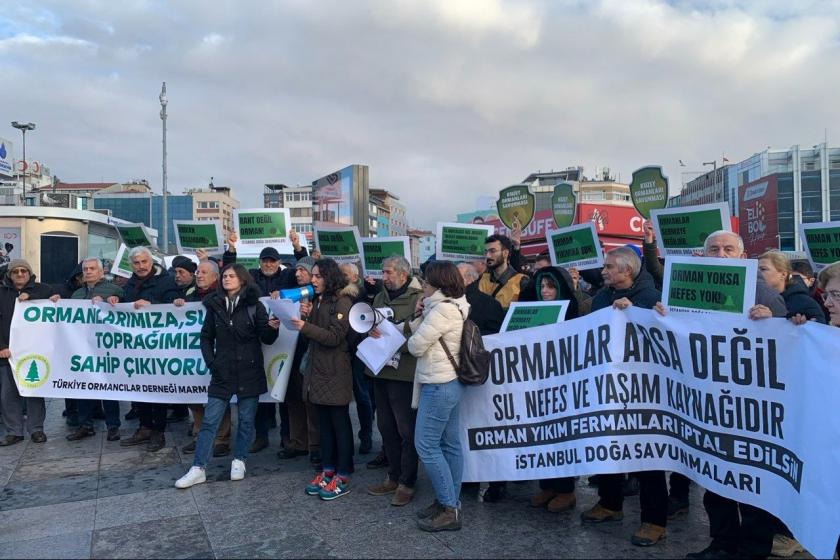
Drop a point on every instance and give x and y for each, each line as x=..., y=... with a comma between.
x=445, y=100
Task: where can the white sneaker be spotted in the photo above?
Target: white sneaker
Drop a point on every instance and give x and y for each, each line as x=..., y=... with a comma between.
x=237, y=469
x=194, y=476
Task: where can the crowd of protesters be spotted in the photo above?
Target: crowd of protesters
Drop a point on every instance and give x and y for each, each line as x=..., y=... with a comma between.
x=414, y=399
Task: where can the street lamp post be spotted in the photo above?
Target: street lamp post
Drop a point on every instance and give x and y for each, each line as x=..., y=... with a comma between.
x=163, y=102
x=23, y=127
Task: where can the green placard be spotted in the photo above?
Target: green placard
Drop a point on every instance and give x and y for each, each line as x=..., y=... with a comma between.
x=649, y=190
x=197, y=236
x=575, y=246
x=377, y=251
x=516, y=206
x=822, y=243
x=698, y=286
x=249, y=263
x=133, y=236
x=563, y=205
x=262, y=225
x=467, y=242
x=688, y=230
x=526, y=317
x=337, y=243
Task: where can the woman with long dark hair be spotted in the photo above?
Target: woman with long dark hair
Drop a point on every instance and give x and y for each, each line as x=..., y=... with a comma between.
x=328, y=376
x=236, y=326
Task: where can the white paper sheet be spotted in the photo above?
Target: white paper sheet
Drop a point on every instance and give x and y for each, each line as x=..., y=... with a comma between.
x=376, y=352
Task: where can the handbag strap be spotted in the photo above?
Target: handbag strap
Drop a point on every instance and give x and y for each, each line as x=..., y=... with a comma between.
x=449, y=355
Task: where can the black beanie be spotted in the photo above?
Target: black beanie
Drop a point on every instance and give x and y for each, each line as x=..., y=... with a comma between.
x=184, y=262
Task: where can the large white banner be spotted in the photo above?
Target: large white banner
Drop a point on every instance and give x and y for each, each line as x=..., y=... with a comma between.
x=747, y=409
x=76, y=349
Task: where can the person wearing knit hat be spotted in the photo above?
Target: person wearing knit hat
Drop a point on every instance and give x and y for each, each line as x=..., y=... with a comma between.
x=305, y=263
x=18, y=284
x=183, y=269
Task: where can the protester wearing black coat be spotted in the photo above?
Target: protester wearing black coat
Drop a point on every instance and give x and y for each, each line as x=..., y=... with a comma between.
x=642, y=293
x=232, y=345
x=799, y=301
x=158, y=287
x=485, y=311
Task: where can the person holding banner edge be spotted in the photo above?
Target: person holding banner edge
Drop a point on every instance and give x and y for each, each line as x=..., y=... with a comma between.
x=149, y=284
x=627, y=284
x=738, y=529
x=234, y=330
x=18, y=284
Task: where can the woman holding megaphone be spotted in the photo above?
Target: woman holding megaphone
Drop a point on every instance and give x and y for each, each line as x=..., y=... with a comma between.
x=327, y=375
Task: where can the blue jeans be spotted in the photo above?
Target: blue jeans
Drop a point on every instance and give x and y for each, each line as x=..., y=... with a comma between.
x=438, y=440
x=214, y=410
x=86, y=407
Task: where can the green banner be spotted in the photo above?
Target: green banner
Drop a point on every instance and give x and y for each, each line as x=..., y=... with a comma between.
x=683, y=232
x=724, y=285
x=516, y=206
x=821, y=242
x=197, y=236
x=529, y=315
x=262, y=225
x=575, y=246
x=133, y=236
x=337, y=243
x=563, y=205
x=649, y=190
x=461, y=242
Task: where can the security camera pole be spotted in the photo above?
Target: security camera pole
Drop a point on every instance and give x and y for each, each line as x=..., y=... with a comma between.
x=163, y=102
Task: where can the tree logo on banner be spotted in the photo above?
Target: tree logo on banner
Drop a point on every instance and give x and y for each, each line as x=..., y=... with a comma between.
x=649, y=190
x=32, y=371
x=563, y=204
x=516, y=206
x=274, y=367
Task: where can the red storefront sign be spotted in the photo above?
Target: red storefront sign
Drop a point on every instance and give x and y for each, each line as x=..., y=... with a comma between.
x=615, y=226
x=758, y=215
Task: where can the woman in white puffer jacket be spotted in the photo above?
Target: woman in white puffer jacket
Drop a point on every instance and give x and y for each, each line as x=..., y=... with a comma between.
x=437, y=392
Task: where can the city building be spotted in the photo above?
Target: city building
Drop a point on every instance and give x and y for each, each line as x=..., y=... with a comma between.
x=772, y=192
x=708, y=188
x=341, y=198
x=421, y=245
x=297, y=199
x=214, y=204
x=379, y=216
x=136, y=203
x=395, y=211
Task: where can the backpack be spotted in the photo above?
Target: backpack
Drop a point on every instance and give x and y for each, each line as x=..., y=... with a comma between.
x=474, y=368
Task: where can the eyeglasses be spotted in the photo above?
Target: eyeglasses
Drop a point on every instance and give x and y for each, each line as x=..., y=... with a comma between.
x=833, y=295
x=19, y=271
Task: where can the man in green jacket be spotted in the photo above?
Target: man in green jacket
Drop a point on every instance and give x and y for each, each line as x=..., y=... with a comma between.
x=96, y=288
x=393, y=387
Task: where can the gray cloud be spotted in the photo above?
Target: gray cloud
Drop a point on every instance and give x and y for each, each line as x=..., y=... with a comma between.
x=444, y=100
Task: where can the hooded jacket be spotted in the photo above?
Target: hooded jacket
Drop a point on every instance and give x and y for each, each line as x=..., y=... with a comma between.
x=158, y=287
x=328, y=377
x=798, y=300
x=70, y=285
x=231, y=344
x=562, y=281
x=642, y=293
x=403, y=307
x=8, y=299
x=487, y=313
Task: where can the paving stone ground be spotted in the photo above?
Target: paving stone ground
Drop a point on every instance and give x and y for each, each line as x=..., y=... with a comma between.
x=95, y=499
